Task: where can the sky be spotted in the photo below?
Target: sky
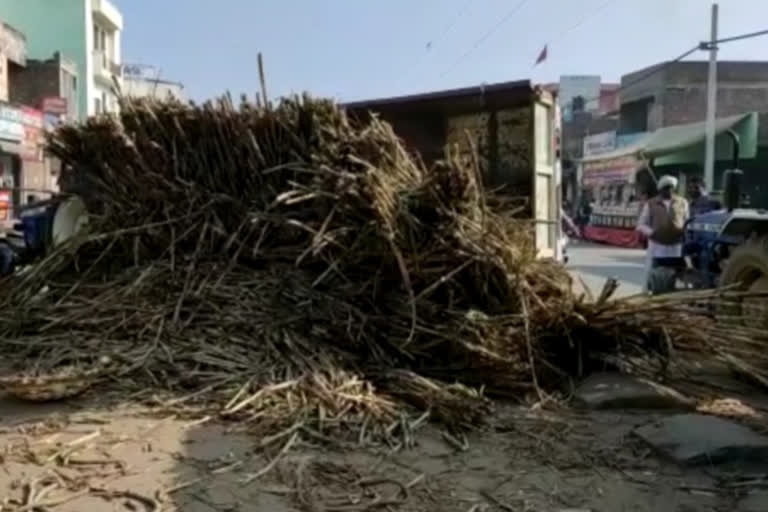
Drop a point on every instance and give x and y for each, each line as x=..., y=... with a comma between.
x=361, y=49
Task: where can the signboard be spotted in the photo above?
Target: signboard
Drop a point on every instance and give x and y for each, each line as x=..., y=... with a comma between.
x=51, y=121
x=54, y=105
x=11, y=127
x=32, y=122
x=614, y=170
x=630, y=139
x=5, y=204
x=599, y=143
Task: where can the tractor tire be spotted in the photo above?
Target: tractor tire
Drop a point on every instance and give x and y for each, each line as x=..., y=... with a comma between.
x=747, y=268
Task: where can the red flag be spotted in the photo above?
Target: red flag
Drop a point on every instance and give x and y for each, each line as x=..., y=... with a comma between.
x=542, y=56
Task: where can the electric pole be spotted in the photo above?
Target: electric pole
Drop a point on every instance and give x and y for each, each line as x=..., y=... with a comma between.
x=709, y=157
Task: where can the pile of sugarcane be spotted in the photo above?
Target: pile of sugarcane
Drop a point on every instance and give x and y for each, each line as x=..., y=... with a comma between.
x=285, y=265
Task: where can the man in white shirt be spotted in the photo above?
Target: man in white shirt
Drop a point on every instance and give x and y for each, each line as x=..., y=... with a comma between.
x=661, y=221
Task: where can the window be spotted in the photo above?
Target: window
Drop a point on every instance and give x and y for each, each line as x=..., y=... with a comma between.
x=99, y=39
x=104, y=103
x=97, y=106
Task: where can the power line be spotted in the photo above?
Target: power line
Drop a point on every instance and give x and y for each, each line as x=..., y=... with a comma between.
x=584, y=19
x=448, y=28
x=485, y=36
x=706, y=44
x=650, y=73
x=702, y=46
x=665, y=65
x=441, y=36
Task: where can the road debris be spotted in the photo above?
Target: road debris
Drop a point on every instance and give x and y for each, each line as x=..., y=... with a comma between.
x=302, y=275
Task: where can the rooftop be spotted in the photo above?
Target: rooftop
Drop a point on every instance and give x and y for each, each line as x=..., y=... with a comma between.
x=498, y=95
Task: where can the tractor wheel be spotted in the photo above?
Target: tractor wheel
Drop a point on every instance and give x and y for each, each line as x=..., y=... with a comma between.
x=747, y=267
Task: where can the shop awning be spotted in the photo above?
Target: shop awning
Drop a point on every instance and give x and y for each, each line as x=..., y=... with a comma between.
x=685, y=143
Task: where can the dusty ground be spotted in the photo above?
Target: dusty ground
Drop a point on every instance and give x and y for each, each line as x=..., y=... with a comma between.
x=77, y=458
x=592, y=264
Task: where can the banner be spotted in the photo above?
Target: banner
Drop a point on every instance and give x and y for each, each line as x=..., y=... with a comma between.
x=5, y=204
x=11, y=125
x=599, y=143
x=614, y=170
x=616, y=237
x=54, y=105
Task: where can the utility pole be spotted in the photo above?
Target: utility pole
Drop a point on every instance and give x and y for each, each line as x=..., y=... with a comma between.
x=709, y=157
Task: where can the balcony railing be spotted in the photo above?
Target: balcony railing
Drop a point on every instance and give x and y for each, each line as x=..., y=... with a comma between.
x=104, y=67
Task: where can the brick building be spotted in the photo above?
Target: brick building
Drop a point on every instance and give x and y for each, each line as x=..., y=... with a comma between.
x=50, y=85
x=670, y=94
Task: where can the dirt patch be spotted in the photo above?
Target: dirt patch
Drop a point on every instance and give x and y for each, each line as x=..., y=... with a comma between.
x=71, y=459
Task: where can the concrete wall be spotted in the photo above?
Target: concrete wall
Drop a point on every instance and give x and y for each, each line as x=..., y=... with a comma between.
x=51, y=26
x=146, y=88
x=683, y=73
x=5, y=64
x=642, y=84
x=13, y=53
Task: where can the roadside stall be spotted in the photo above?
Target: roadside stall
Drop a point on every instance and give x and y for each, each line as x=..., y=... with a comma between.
x=617, y=183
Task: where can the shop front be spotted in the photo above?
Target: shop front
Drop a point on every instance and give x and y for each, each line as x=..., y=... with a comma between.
x=611, y=187
x=21, y=159
x=617, y=183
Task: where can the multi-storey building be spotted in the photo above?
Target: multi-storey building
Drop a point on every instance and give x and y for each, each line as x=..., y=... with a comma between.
x=86, y=32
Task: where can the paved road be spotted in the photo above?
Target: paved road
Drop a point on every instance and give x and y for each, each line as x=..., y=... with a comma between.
x=596, y=263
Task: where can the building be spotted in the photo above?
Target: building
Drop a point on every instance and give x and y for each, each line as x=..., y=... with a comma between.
x=50, y=85
x=87, y=32
x=669, y=94
x=585, y=93
x=145, y=82
x=589, y=113
x=13, y=56
x=24, y=171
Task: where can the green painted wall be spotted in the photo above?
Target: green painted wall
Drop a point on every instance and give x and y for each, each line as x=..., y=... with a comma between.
x=51, y=26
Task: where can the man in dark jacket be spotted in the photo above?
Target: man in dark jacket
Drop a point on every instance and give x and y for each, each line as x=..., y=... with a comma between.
x=699, y=200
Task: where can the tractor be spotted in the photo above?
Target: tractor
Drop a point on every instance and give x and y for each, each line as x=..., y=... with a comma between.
x=42, y=226
x=728, y=247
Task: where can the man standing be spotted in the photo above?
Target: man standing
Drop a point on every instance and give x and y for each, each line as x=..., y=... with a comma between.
x=662, y=220
x=583, y=213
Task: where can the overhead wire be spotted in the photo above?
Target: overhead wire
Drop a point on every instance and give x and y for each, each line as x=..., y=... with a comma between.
x=448, y=28
x=442, y=35
x=734, y=38
x=600, y=8
x=702, y=46
x=519, y=5
x=656, y=69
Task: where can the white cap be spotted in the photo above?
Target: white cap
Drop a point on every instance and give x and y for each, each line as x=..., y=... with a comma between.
x=667, y=181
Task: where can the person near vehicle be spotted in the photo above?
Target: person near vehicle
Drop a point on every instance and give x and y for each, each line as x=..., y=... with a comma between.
x=661, y=221
x=700, y=202
x=583, y=213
